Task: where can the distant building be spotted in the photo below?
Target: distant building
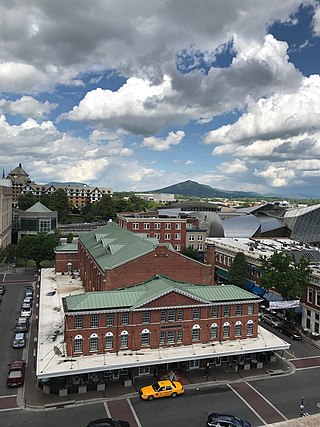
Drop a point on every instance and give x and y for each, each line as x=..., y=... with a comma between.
x=157, y=197
x=304, y=223
x=5, y=212
x=79, y=195
x=37, y=219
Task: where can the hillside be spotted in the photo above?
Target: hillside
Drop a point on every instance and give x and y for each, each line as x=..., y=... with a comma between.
x=192, y=188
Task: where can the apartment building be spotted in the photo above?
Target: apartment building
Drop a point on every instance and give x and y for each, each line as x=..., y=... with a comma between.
x=6, y=212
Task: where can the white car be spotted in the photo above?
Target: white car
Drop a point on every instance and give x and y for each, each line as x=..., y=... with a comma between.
x=25, y=312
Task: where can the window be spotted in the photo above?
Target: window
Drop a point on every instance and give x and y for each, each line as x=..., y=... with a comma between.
x=200, y=238
x=180, y=314
x=157, y=236
x=146, y=317
x=177, y=247
x=135, y=226
x=226, y=311
x=157, y=226
x=196, y=313
x=239, y=310
x=316, y=327
x=167, y=226
x=94, y=319
x=109, y=319
x=162, y=338
x=145, y=338
x=200, y=247
x=316, y=317
x=144, y=370
x=108, y=341
x=178, y=225
x=163, y=316
x=214, y=311
x=78, y=344
x=249, y=328
x=250, y=309
x=44, y=225
x=124, y=339
x=196, y=333
x=179, y=335
x=177, y=236
x=191, y=237
x=94, y=342
x=146, y=225
x=167, y=237
x=171, y=337
x=171, y=315
x=214, y=331
x=124, y=318
x=226, y=330
x=310, y=295
x=238, y=329
x=317, y=298
x=78, y=322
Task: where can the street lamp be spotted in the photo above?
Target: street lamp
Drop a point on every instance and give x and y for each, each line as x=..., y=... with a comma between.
x=301, y=408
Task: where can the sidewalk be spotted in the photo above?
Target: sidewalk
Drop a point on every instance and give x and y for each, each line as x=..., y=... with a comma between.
x=35, y=399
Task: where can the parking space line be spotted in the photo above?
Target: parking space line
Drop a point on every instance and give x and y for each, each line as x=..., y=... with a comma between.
x=134, y=413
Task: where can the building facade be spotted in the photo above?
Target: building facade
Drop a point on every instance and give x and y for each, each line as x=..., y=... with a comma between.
x=5, y=212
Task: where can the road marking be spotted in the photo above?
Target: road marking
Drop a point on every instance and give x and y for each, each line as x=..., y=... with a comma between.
x=307, y=367
x=247, y=404
x=276, y=409
x=106, y=407
x=134, y=413
x=290, y=354
x=8, y=395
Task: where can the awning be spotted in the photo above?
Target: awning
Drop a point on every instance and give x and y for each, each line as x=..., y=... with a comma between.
x=256, y=289
x=222, y=273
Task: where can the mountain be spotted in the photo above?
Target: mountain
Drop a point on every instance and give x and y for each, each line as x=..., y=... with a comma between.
x=192, y=188
x=66, y=184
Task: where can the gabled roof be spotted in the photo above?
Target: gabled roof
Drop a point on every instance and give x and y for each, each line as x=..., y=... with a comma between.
x=112, y=245
x=137, y=296
x=19, y=171
x=38, y=207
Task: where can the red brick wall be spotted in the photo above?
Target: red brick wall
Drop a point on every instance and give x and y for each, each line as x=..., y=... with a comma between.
x=62, y=260
x=135, y=327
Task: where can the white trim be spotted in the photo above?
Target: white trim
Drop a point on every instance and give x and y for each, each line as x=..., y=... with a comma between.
x=124, y=333
x=195, y=327
x=109, y=334
x=145, y=331
x=226, y=324
x=78, y=337
x=94, y=336
x=238, y=322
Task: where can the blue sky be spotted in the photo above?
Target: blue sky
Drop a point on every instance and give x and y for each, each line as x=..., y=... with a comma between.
x=141, y=95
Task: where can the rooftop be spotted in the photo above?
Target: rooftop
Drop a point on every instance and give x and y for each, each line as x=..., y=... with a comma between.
x=51, y=351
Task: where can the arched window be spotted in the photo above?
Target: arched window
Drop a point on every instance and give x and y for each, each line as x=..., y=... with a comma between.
x=124, y=336
x=145, y=338
x=226, y=330
x=214, y=331
x=196, y=333
x=77, y=344
x=249, y=328
x=93, y=342
x=238, y=329
x=108, y=341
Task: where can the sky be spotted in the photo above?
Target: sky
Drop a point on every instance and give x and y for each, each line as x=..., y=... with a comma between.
x=141, y=95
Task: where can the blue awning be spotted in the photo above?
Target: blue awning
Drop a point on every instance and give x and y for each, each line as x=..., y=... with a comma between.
x=255, y=289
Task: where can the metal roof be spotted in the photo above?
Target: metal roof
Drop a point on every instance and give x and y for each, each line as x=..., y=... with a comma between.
x=139, y=295
x=112, y=245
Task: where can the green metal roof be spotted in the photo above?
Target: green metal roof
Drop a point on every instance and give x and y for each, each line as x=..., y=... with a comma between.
x=67, y=247
x=139, y=295
x=112, y=245
x=38, y=207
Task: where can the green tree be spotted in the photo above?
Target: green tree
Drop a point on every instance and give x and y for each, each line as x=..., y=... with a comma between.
x=59, y=202
x=25, y=201
x=238, y=271
x=69, y=237
x=105, y=207
x=136, y=204
x=8, y=254
x=283, y=274
x=190, y=252
x=38, y=247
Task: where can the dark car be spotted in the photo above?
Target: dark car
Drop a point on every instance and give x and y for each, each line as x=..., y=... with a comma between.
x=22, y=324
x=224, y=420
x=291, y=331
x=2, y=290
x=108, y=422
x=17, y=370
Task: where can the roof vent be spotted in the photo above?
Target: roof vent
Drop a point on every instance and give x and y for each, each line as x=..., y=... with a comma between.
x=157, y=276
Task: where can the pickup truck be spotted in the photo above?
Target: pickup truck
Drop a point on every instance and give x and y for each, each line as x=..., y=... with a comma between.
x=16, y=374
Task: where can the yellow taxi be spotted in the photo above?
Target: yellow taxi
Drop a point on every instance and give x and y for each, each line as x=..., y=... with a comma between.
x=162, y=388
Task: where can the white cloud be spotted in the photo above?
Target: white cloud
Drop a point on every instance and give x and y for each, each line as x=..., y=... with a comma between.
x=316, y=21
x=233, y=168
x=276, y=176
x=163, y=144
x=189, y=162
x=27, y=106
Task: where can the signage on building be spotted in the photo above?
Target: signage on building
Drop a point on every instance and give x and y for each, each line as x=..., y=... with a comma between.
x=284, y=304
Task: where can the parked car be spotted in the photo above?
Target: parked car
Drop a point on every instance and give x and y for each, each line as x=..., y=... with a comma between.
x=26, y=305
x=27, y=300
x=22, y=324
x=16, y=374
x=25, y=312
x=108, y=422
x=224, y=420
x=28, y=292
x=291, y=331
x=2, y=290
x=19, y=340
x=161, y=389
x=271, y=320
